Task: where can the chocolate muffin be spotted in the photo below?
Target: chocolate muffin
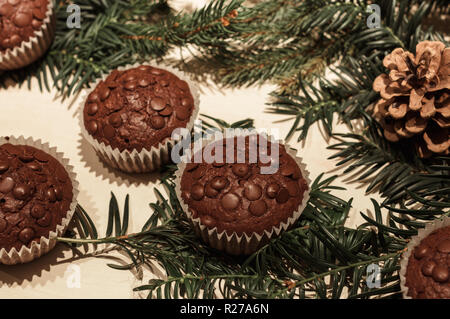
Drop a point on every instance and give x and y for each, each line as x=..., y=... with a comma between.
x=237, y=197
x=35, y=195
x=20, y=19
x=427, y=272
x=137, y=108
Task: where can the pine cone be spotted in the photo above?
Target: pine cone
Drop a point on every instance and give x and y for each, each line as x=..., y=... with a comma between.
x=415, y=97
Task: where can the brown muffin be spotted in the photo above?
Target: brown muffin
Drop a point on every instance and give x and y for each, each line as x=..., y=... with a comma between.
x=137, y=108
x=237, y=197
x=19, y=20
x=427, y=273
x=35, y=195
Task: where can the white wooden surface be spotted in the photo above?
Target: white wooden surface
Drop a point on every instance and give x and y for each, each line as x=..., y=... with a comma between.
x=46, y=116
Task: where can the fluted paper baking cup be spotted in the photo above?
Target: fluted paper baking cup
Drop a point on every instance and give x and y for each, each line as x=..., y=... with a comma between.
x=244, y=244
x=31, y=50
x=146, y=160
x=414, y=242
x=27, y=254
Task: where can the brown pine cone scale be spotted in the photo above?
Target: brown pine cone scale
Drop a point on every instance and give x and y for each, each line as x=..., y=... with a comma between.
x=415, y=97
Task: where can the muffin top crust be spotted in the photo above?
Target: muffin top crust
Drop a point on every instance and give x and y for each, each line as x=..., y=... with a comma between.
x=137, y=108
x=237, y=197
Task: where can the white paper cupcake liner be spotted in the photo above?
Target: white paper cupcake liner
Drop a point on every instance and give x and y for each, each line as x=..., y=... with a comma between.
x=414, y=242
x=31, y=50
x=146, y=160
x=244, y=244
x=25, y=254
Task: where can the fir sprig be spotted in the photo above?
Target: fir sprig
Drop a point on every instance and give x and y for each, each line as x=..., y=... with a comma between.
x=116, y=33
x=393, y=169
x=297, y=264
x=274, y=41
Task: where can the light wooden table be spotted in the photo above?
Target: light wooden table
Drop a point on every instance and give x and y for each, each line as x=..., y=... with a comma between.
x=44, y=115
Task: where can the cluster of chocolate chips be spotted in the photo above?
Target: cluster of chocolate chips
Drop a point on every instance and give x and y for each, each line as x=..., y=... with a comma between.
x=428, y=269
x=19, y=19
x=238, y=197
x=35, y=194
x=137, y=108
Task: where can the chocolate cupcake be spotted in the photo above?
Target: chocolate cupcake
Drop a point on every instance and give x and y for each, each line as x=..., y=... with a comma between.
x=234, y=204
x=426, y=264
x=37, y=199
x=27, y=30
x=130, y=115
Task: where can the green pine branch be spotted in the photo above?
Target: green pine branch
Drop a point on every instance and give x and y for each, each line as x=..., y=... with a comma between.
x=278, y=41
x=116, y=33
x=295, y=265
